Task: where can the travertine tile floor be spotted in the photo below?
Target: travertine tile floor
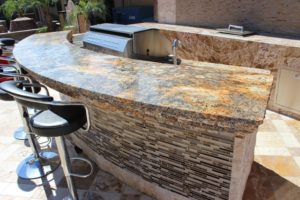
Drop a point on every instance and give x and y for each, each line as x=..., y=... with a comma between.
x=275, y=174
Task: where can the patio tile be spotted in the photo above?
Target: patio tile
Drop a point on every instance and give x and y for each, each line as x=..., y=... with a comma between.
x=294, y=180
x=294, y=151
x=269, y=139
x=282, y=165
x=294, y=125
x=297, y=160
x=289, y=139
x=284, y=190
x=103, y=196
x=272, y=151
x=6, y=139
x=281, y=126
x=2, y=186
x=267, y=126
x=18, y=190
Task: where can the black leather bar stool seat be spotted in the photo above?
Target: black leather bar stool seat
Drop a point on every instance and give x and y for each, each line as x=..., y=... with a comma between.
x=7, y=41
x=58, y=121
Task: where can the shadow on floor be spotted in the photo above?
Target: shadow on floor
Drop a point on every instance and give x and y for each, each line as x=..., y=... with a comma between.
x=265, y=184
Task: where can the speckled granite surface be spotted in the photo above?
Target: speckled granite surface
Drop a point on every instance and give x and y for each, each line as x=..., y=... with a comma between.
x=216, y=94
x=257, y=51
x=266, y=38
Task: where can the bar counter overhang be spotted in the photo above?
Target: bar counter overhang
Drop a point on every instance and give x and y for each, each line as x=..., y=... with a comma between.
x=173, y=132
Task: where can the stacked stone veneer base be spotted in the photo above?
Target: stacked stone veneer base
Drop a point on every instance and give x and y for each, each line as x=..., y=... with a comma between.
x=167, y=158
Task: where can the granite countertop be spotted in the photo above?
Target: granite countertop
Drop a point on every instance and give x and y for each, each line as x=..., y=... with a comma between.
x=193, y=90
x=266, y=38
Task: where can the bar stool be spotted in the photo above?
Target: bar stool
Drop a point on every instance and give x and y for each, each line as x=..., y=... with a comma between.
x=39, y=163
x=12, y=72
x=7, y=41
x=20, y=133
x=55, y=119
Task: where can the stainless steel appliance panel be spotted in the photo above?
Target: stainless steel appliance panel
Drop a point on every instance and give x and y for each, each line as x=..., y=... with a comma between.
x=288, y=90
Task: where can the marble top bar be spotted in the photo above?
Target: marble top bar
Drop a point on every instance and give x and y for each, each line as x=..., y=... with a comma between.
x=192, y=91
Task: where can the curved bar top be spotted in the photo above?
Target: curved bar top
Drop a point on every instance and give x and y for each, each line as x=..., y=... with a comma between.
x=216, y=94
x=173, y=132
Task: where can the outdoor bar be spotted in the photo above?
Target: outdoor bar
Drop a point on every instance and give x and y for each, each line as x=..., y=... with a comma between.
x=149, y=100
x=171, y=131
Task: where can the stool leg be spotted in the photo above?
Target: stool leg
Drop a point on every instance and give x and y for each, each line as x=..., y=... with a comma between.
x=20, y=133
x=66, y=165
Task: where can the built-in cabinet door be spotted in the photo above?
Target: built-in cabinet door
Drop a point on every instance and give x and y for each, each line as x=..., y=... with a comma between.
x=288, y=90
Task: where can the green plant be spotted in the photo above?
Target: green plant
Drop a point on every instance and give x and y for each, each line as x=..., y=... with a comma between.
x=87, y=8
x=11, y=7
x=43, y=29
x=43, y=5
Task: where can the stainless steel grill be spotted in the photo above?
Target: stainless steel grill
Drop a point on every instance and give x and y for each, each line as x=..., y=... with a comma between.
x=113, y=39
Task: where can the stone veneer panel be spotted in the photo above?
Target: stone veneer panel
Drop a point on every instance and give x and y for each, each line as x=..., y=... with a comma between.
x=186, y=159
x=242, y=162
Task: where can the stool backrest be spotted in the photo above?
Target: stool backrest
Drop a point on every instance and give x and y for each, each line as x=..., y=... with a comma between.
x=17, y=89
x=25, y=98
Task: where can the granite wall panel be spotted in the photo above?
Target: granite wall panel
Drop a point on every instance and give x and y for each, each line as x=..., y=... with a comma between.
x=244, y=53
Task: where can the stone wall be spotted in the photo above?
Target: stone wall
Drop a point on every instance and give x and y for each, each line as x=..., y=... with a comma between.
x=263, y=16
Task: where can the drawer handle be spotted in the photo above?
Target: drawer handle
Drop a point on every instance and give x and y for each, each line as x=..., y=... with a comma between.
x=297, y=76
x=235, y=27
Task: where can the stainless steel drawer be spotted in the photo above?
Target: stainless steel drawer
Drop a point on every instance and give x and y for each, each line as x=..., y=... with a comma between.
x=288, y=90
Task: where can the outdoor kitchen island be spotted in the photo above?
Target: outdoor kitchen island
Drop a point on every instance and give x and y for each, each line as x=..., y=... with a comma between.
x=173, y=132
